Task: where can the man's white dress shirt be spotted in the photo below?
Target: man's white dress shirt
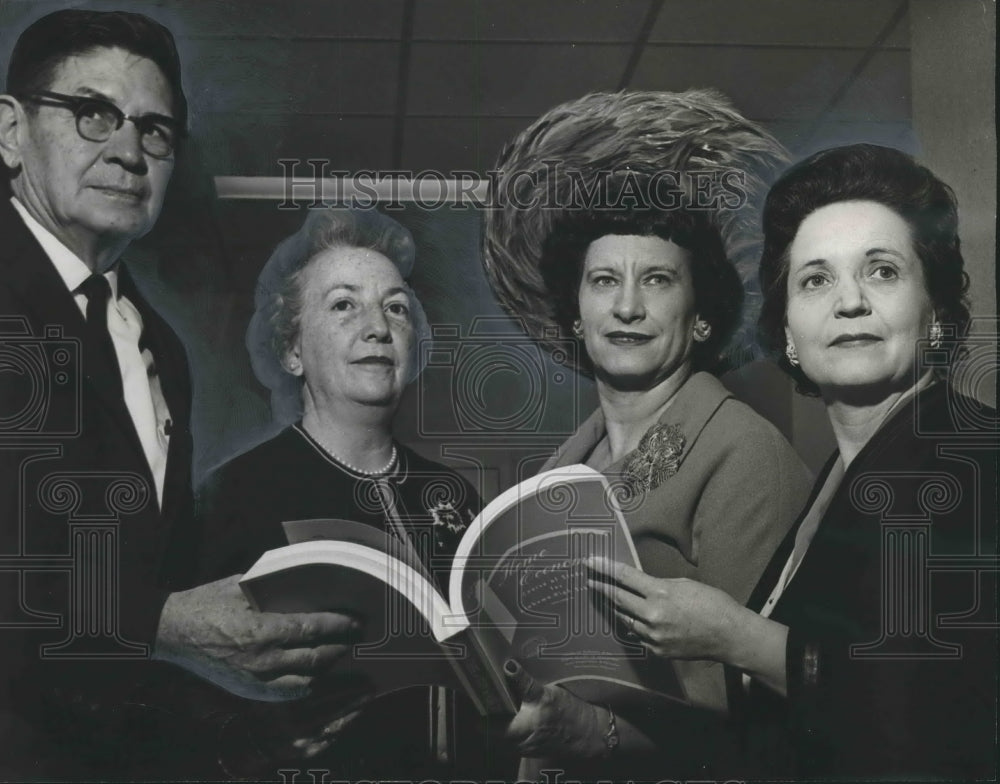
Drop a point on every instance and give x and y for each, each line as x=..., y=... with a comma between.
x=140, y=381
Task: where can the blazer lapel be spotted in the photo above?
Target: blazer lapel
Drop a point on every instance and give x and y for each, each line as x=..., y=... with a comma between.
x=578, y=446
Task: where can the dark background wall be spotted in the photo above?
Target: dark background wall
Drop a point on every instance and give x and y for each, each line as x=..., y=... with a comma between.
x=442, y=84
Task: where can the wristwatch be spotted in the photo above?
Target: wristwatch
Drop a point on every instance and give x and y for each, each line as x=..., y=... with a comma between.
x=611, y=738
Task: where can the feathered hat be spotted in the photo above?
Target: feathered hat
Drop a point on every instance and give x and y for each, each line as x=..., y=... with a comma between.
x=543, y=172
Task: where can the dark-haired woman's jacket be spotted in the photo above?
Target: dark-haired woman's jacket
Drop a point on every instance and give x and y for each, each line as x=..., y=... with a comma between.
x=892, y=645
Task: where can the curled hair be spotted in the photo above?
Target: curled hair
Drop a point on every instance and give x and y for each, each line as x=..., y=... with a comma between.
x=718, y=290
x=863, y=172
x=623, y=147
x=55, y=37
x=279, y=297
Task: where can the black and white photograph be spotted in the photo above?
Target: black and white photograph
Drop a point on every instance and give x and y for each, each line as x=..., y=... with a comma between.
x=547, y=391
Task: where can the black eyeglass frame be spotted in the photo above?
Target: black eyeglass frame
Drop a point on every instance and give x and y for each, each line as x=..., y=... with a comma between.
x=144, y=123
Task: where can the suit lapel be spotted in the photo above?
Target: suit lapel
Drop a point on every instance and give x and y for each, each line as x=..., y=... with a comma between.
x=173, y=375
x=45, y=301
x=171, y=363
x=31, y=276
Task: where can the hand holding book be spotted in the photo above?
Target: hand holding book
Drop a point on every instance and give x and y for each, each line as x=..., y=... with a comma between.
x=517, y=587
x=211, y=631
x=684, y=619
x=551, y=721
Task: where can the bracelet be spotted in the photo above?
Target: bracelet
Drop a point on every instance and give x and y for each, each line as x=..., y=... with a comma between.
x=611, y=738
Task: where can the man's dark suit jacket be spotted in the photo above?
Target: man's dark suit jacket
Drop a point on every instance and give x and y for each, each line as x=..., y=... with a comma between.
x=86, y=556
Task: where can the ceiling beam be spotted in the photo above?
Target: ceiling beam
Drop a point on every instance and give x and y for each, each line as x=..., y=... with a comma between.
x=403, y=83
x=887, y=29
x=639, y=45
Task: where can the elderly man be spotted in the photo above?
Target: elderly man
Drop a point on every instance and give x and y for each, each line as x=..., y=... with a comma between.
x=96, y=532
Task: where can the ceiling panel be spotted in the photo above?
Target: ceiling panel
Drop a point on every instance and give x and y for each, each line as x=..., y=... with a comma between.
x=298, y=18
x=307, y=76
x=832, y=134
x=900, y=35
x=251, y=145
x=235, y=18
x=802, y=138
x=507, y=79
x=448, y=145
x=766, y=84
x=881, y=91
x=529, y=20
x=825, y=23
x=320, y=77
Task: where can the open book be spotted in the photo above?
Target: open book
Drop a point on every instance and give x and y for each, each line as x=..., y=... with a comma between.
x=516, y=588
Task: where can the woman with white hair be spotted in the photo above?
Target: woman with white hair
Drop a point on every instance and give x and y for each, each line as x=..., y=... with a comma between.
x=337, y=324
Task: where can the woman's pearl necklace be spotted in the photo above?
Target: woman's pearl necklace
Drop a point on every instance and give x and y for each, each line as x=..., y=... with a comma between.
x=384, y=469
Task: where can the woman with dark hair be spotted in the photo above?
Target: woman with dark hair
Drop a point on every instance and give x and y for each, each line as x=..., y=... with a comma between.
x=869, y=647
x=336, y=337
x=650, y=297
x=716, y=285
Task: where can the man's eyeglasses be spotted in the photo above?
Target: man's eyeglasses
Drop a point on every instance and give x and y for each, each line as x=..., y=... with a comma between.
x=97, y=119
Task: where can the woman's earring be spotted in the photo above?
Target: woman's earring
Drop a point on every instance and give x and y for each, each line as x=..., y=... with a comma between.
x=578, y=328
x=702, y=329
x=293, y=364
x=936, y=334
x=792, y=354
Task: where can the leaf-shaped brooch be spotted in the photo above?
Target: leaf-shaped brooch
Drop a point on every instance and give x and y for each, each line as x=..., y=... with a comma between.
x=657, y=457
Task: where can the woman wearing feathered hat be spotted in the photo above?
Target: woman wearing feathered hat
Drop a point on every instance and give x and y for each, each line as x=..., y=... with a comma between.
x=625, y=246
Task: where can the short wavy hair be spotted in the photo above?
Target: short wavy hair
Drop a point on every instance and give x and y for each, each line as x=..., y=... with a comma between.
x=55, y=37
x=718, y=289
x=863, y=172
x=279, y=296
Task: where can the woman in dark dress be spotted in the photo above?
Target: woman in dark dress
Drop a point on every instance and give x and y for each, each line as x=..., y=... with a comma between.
x=338, y=325
x=869, y=648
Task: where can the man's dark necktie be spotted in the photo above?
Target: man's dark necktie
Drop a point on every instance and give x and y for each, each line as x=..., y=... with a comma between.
x=100, y=361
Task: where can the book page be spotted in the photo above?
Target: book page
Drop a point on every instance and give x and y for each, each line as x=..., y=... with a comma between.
x=521, y=572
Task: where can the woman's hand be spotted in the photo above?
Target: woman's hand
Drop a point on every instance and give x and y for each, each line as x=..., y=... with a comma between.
x=674, y=618
x=552, y=722
x=684, y=619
